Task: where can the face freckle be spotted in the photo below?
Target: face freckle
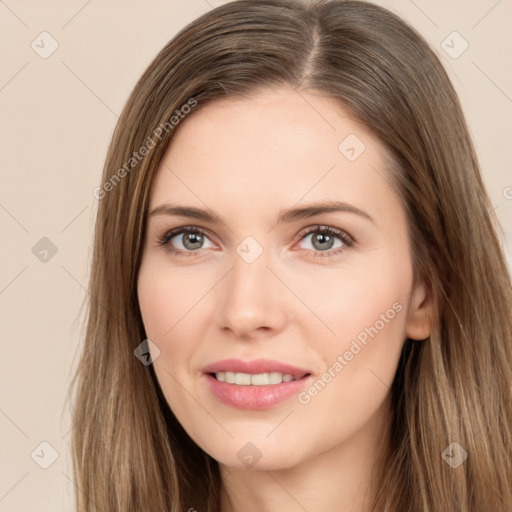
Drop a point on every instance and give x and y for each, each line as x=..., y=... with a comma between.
x=335, y=305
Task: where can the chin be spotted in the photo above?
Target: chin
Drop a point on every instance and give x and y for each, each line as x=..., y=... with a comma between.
x=256, y=455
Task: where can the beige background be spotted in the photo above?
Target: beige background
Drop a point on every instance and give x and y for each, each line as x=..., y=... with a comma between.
x=58, y=114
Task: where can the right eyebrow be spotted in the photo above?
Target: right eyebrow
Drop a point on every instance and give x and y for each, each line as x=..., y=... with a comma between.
x=186, y=211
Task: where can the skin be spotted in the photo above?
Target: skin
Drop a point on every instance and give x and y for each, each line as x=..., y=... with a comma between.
x=246, y=160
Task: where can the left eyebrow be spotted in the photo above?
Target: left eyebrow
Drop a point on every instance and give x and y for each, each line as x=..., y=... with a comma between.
x=285, y=216
x=296, y=214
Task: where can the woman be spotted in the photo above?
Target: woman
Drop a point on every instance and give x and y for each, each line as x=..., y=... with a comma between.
x=299, y=298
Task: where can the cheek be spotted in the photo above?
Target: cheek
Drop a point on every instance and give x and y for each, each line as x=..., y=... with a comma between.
x=157, y=308
x=366, y=312
x=357, y=302
x=166, y=296
x=172, y=305
x=165, y=303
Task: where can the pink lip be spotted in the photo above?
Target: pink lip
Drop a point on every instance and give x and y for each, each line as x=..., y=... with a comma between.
x=255, y=397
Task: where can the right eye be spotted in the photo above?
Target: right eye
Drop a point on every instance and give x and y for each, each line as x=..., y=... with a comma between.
x=186, y=240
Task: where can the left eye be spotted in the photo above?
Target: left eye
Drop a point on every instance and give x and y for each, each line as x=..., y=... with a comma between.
x=324, y=239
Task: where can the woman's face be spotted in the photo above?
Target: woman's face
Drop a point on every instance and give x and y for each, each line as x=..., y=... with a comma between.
x=258, y=291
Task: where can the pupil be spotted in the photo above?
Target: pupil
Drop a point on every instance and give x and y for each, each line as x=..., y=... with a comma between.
x=323, y=238
x=192, y=240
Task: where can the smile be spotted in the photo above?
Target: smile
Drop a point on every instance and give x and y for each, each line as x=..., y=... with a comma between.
x=257, y=384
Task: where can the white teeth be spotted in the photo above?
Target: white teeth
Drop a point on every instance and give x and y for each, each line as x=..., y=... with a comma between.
x=275, y=378
x=243, y=379
x=259, y=379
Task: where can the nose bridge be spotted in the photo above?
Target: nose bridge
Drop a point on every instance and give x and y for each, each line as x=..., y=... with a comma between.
x=250, y=299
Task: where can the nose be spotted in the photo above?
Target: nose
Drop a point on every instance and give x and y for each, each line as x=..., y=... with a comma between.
x=252, y=301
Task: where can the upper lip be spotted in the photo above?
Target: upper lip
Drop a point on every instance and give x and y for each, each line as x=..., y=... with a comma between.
x=254, y=367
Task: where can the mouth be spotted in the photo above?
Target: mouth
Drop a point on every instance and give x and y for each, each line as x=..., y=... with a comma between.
x=258, y=384
x=258, y=379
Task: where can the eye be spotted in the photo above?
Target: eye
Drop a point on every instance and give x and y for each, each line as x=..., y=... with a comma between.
x=185, y=240
x=326, y=241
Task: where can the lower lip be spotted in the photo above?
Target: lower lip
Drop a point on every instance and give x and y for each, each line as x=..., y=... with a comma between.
x=254, y=397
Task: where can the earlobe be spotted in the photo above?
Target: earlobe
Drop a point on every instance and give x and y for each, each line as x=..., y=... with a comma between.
x=418, y=325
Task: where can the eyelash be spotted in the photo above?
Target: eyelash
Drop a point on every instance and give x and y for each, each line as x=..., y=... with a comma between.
x=347, y=240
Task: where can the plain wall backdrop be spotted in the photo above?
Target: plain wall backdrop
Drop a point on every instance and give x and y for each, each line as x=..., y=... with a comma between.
x=67, y=70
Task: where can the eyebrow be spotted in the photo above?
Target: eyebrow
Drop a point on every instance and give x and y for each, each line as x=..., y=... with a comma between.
x=285, y=216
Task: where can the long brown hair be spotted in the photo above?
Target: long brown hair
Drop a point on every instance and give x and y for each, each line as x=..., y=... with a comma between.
x=129, y=451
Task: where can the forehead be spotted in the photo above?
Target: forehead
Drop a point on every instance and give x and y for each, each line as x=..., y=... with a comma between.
x=275, y=148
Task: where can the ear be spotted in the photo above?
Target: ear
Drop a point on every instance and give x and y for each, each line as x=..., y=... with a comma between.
x=418, y=324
